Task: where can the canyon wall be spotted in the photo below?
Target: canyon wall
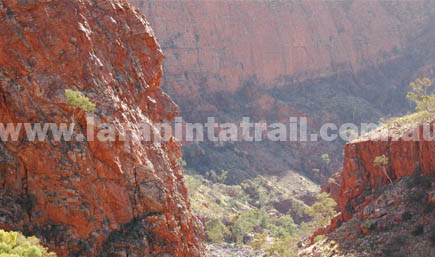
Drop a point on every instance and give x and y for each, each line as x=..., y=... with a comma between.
x=89, y=198
x=224, y=43
x=378, y=203
x=332, y=61
x=361, y=175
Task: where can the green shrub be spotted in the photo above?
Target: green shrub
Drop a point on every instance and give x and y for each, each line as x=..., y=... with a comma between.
x=259, y=242
x=216, y=231
x=282, y=226
x=193, y=183
x=369, y=225
x=319, y=238
x=217, y=178
x=283, y=247
x=77, y=100
x=325, y=158
x=247, y=221
x=382, y=161
x=322, y=211
x=420, y=95
x=14, y=244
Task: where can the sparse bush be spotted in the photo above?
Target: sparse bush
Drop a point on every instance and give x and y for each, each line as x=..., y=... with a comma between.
x=259, y=241
x=424, y=100
x=319, y=238
x=217, y=178
x=325, y=158
x=322, y=211
x=193, y=183
x=351, y=134
x=282, y=226
x=216, y=231
x=382, y=161
x=14, y=244
x=246, y=222
x=299, y=209
x=369, y=225
x=77, y=100
x=283, y=247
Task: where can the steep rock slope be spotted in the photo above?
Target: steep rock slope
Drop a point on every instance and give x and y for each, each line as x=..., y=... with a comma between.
x=377, y=217
x=89, y=198
x=360, y=174
x=398, y=221
x=333, y=61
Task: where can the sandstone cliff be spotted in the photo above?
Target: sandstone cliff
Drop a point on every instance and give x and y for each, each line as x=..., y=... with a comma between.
x=360, y=175
x=378, y=217
x=333, y=61
x=121, y=198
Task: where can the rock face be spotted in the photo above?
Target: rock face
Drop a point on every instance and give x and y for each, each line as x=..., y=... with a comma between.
x=399, y=220
x=273, y=59
x=89, y=198
x=375, y=211
x=360, y=175
x=225, y=43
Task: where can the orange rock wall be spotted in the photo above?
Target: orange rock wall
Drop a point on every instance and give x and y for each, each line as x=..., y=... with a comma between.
x=359, y=174
x=331, y=61
x=89, y=198
x=217, y=45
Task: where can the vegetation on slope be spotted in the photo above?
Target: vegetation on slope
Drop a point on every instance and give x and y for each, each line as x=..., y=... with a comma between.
x=15, y=244
x=250, y=214
x=399, y=221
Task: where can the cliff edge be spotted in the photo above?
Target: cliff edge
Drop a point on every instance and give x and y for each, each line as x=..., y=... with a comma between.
x=81, y=197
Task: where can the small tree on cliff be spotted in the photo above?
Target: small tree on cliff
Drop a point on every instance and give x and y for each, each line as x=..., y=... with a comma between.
x=382, y=161
x=79, y=101
x=325, y=158
x=421, y=96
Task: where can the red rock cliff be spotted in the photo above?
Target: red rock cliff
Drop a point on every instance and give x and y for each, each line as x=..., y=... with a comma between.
x=332, y=61
x=122, y=198
x=226, y=42
x=360, y=175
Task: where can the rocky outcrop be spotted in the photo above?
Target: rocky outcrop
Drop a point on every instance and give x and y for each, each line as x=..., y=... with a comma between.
x=360, y=175
x=367, y=198
x=89, y=198
x=399, y=220
x=332, y=61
